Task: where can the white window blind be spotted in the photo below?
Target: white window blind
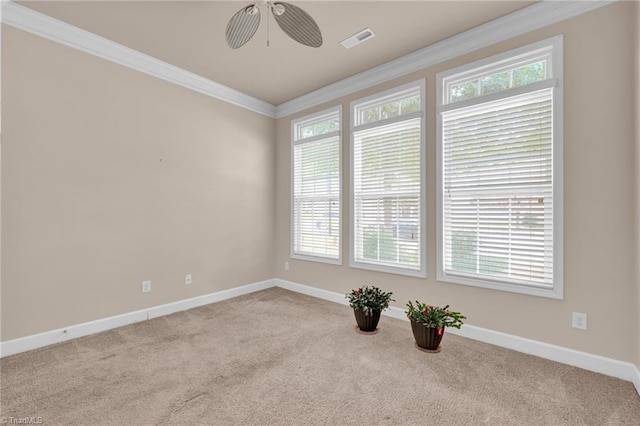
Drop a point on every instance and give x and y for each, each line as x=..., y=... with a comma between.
x=497, y=195
x=316, y=186
x=386, y=182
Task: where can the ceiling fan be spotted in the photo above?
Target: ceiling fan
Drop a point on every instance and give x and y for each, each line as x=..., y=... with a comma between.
x=295, y=22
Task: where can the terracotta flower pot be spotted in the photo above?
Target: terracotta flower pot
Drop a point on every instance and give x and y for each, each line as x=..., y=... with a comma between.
x=426, y=337
x=366, y=322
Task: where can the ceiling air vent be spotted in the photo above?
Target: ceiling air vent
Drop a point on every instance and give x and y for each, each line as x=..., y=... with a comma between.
x=357, y=38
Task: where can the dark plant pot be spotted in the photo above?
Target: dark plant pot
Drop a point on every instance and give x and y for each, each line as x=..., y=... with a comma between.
x=366, y=322
x=426, y=337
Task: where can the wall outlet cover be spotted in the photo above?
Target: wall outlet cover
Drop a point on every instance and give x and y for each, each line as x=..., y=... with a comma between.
x=579, y=321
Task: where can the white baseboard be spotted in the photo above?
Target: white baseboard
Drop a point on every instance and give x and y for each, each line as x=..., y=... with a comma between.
x=610, y=367
x=636, y=378
x=34, y=341
x=312, y=291
x=183, y=305
x=23, y=344
x=599, y=364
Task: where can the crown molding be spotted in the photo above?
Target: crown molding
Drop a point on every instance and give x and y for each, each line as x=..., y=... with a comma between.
x=525, y=20
x=37, y=23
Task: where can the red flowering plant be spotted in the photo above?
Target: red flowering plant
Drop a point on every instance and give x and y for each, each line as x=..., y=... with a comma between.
x=434, y=316
x=369, y=299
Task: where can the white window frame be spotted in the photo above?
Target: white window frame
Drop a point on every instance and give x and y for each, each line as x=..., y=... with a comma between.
x=555, y=79
x=422, y=272
x=294, y=141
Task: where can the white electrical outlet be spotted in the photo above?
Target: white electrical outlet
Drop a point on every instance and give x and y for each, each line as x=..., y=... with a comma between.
x=286, y=266
x=187, y=279
x=146, y=286
x=579, y=321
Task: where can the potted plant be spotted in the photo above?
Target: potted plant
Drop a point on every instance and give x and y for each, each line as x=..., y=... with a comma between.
x=367, y=303
x=428, y=323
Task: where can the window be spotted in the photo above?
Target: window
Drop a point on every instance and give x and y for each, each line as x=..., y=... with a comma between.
x=500, y=172
x=316, y=187
x=387, y=202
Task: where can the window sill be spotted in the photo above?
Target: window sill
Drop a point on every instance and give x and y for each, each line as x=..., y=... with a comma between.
x=551, y=293
x=318, y=259
x=388, y=269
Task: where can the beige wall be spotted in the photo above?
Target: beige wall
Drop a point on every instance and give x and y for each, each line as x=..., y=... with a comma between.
x=111, y=177
x=599, y=200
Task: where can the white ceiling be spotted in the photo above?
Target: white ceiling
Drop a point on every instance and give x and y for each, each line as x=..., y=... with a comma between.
x=191, y=35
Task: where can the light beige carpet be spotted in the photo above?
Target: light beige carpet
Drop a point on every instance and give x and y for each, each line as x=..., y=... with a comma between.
x=281, y=357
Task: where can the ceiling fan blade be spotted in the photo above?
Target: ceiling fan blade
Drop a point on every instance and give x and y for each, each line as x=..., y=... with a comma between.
x=242, y=26
x=299, y=25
